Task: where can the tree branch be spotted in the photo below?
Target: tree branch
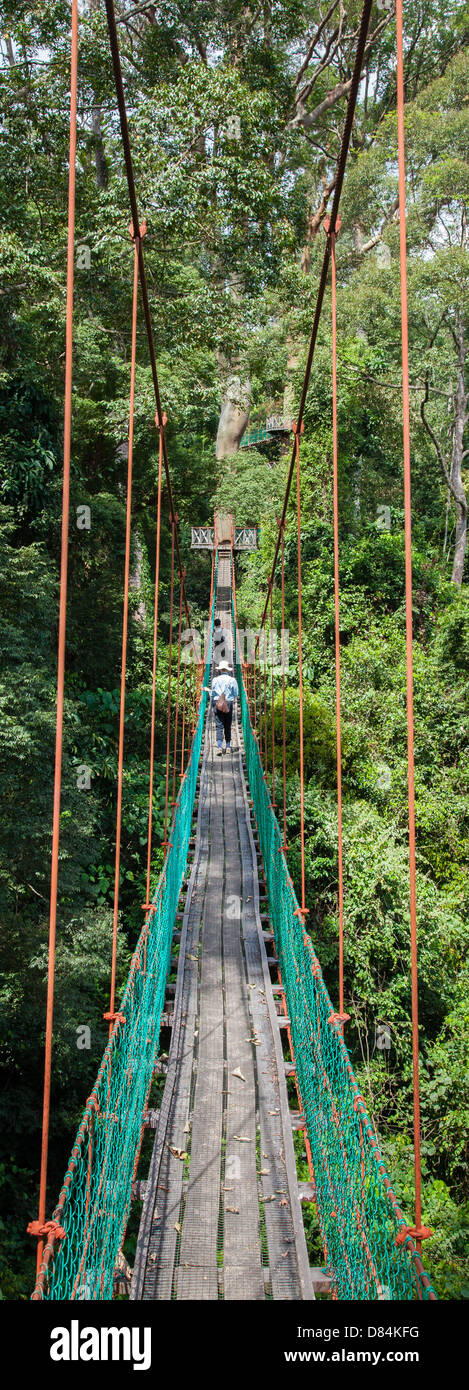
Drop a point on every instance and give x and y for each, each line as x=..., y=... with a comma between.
x=432, y=436
x=314, y=41
x=309, y=118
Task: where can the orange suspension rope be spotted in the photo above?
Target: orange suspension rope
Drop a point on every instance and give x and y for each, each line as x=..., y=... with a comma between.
x=255, y=693
x=265, y=698
x=110, y=1015
x=419, y=1232
x=146, y=905
x=61, y=641
x=282, y=553
x=193, y=694
x=234, y=583
x=339, y=178
x=211, y=581
x=336, y=612
x=114, y=44
x=168, y=717
x=272, y=683
x=173, y=799
x=190, y=705
x=183, y=734
x=303, y=908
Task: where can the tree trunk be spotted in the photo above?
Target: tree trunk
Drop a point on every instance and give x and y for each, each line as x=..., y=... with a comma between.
x=314, y=222
x=236, y=395
x=234, y=415
x=135, y=581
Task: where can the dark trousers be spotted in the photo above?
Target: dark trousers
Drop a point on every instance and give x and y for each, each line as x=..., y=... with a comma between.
x=223, y=725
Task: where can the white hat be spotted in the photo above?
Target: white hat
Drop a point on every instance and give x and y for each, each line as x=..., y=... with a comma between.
x=224, y=666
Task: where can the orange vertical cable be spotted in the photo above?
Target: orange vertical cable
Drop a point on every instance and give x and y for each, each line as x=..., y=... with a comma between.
x=408, y=607
x=160, y=426
x=265, y=698
x=259, y=711
x=300, y=661
x=168, y=717
x=183, y=732
x=190, y=706
x=211, y=583
x=336, y=609
x=136, y=237
x=284, y=759
x=62, y=629
x=272, y=685
x=255, y=693
x=234, y=580
x=194, y=693
x=176, y=721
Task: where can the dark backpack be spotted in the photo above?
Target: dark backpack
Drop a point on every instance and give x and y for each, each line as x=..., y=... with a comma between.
x=222, y=705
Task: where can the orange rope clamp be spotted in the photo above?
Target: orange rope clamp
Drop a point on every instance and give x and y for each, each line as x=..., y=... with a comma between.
x=46, y=1229
x=418, y=1233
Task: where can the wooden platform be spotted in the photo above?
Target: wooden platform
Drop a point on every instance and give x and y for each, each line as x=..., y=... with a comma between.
x=225, y=1221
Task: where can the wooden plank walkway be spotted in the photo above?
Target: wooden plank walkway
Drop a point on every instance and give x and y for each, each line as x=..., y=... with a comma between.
x=225, y=1221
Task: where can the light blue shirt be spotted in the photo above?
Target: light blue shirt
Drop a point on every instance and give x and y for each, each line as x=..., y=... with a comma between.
x=226, y=685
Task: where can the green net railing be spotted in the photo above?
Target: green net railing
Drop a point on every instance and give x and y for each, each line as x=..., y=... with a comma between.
x=368, y=1250
x=95, y=1199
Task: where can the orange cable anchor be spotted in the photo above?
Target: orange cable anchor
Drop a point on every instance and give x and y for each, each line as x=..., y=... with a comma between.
x=418, y=1233
x=61, y=639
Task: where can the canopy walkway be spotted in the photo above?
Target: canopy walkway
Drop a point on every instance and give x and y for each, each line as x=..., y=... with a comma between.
x=222, y=1202
x=249, y=1018
x=233, y=1227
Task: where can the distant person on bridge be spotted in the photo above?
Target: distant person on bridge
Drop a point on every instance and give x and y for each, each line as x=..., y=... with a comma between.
x=219, y=639
x=222, y=695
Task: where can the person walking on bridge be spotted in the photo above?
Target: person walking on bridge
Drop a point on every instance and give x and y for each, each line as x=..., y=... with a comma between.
x=222, y=696
x=219, y=639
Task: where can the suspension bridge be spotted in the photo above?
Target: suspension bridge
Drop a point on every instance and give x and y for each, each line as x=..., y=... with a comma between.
x=245, y=1037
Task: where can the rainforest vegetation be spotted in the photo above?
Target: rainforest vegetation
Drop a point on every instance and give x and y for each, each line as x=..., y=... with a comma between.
x=235, y=114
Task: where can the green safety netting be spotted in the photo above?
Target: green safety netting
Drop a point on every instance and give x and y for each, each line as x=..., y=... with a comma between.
x=358, y=1213
x=94, y=1202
